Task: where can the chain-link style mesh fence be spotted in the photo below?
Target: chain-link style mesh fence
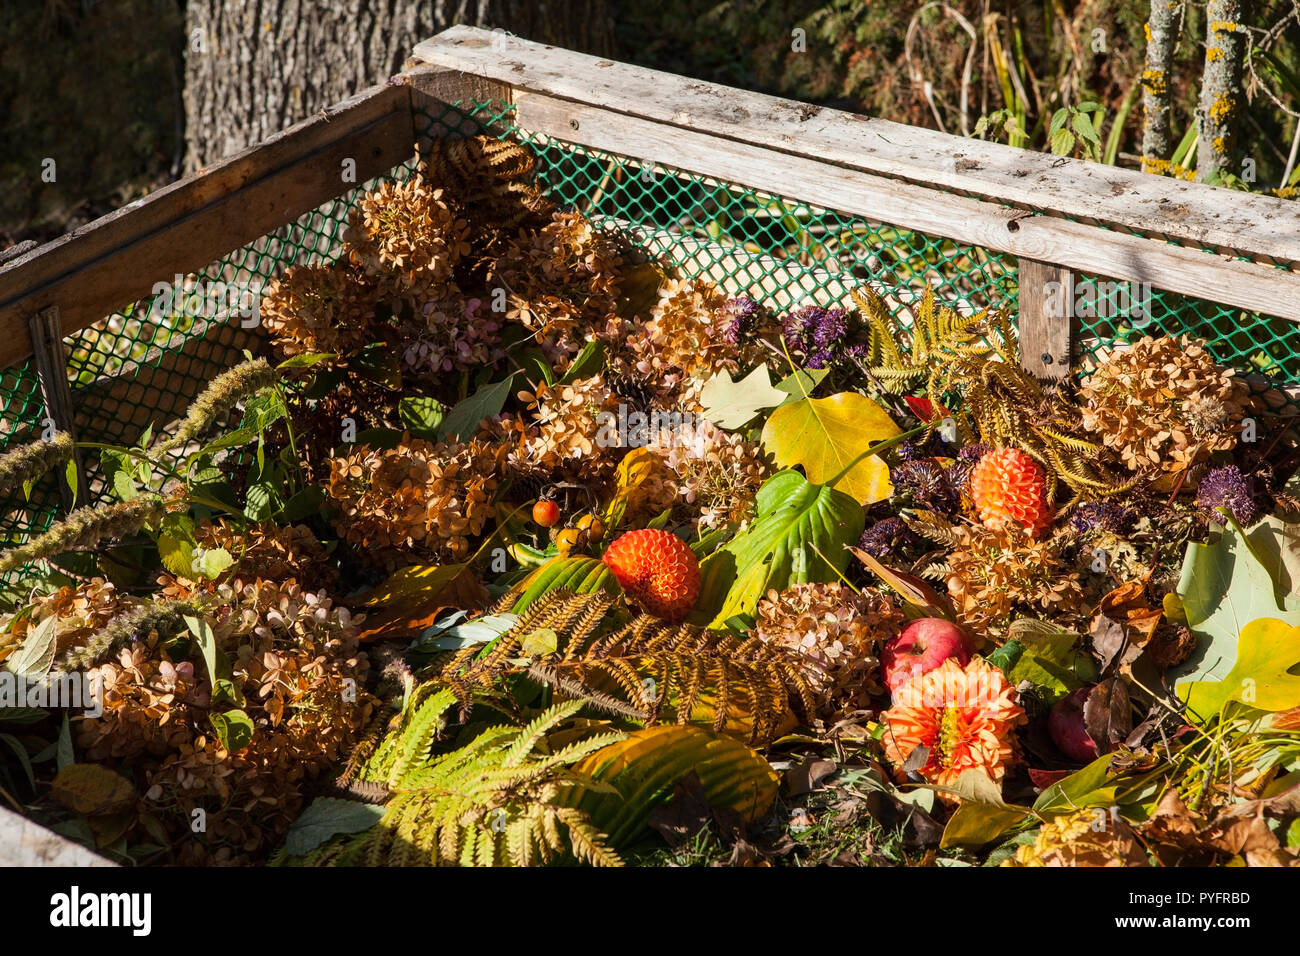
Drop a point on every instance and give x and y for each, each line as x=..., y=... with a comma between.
x=143, y=365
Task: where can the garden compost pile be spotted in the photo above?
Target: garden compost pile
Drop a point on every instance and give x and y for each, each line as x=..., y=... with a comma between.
x=521, y=548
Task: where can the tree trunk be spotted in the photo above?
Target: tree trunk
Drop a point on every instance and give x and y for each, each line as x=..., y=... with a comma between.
x=1222, y=96
x=1162, y=35
x=253, y=67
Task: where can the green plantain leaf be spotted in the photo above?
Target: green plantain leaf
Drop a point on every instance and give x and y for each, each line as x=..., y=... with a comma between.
x=798, y=536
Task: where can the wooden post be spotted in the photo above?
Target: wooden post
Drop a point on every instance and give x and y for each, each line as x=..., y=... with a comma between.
x=52, y=368
x=1044, y=322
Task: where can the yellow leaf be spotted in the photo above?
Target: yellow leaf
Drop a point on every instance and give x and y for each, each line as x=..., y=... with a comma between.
x=637, y=466
x=411, y=599
x=1266, y=651
x=825, y=435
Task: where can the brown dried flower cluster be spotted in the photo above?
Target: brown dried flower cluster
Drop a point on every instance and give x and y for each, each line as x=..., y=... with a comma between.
x=573, y=429
x=1164, y=404
x=320, y=308
x=295, y=658
x=835, y=633
x=992, y=574
x=81, y=611
x=416, y=497
x=262, y=552
x=718, y=473
x=491, y=178
x=407, y=236
x=1084, y=838
x=317, y=422
x=560, y=281
x=679, y=341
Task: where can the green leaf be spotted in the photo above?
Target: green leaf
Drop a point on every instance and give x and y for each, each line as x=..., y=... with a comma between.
x=234, y=729
x=829, y=437
x=327, y=817
x=983, y=815
x=540, y=642
x=1047, y=658
x=36, y=655
x=176, y=544
x=1062, y=142
x=421, y=415
x=118, y=467
x=450, y=635
x=65, y=755
x=306, y=360
x=70, y=476
x=1236, y=578
x=578, y=573
x=463, y=420
x=20, y=752
x=215, y=661
x=798, y=535
x=585, y=364
x=730, y=404
x=212, y=564
x=801, y=382
x=261, y=501
x=304, y=504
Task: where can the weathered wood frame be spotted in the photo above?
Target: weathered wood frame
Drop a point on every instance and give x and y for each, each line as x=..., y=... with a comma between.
x=1054, y=214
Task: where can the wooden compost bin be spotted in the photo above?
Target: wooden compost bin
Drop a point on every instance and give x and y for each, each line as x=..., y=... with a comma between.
x=1057, y=217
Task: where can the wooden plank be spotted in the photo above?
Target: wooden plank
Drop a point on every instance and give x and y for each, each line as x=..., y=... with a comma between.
x=1044, y=319
x=52, y=369
x=24, y=842
x=436, y=90
x=1257, y=225
x=1090, y=249
x=101, y=267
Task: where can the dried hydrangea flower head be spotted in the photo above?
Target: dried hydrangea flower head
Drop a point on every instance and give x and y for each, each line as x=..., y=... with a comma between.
x=1165, y=404
x=321, y=308
x=717, y=472
x=416, y=499
x=679, y=341
x=408, y=237
x=295, y=657
x=574, y=428
x=561, y=281
x=81, y=611
x=994, y=573
x=451, y=334
x=835, y=635
x=270, y=552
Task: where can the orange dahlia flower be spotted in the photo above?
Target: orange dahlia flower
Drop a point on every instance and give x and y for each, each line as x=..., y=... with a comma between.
x=965, y=716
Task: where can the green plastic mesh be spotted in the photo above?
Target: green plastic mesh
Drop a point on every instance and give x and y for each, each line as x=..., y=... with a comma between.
x=140, y=366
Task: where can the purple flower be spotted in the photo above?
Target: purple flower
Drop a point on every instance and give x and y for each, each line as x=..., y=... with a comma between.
x=926, y=484
x=1110, y=517
x=888, y=538
x=739, y=319
x=1231, y=490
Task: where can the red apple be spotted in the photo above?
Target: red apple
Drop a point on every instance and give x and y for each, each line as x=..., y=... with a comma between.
x=1065, y=724
x=923, y=646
